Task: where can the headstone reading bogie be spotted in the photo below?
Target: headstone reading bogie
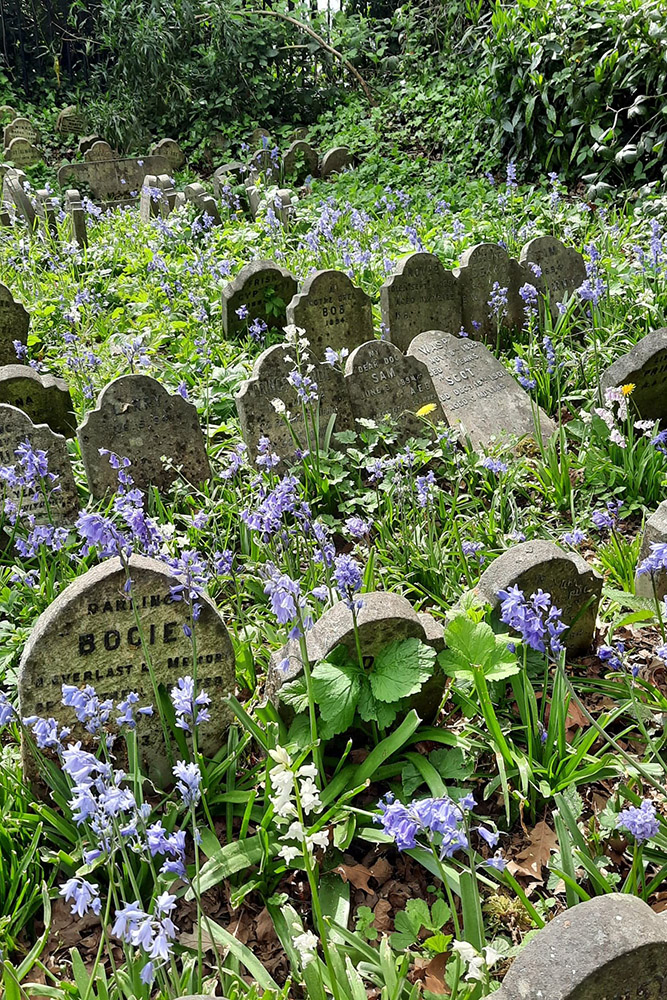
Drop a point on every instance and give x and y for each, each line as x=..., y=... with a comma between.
x=137, y=418
x=476, y=391
x=299, y=161
x=14, y=323
x=22, y=128
x=381, y=381
x=261, y=290
x=45, y=398
x=333, y=312
x=562, y=269
x=482, y=267
x=59, y=503
x=655, y=533
x=335, y=160
x=22, y=153
x=421, y=295
x=171, y=151
x=91, y=634
x=575, y=587
x=645, y=367
x=77, y=214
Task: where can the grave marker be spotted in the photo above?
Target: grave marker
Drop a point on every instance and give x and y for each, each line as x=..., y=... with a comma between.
x=260, y=138
x=420, y=295
x=158, y=197
x=91, y=633
x=333, y=311
x=112, y=180
x=137, y=418
x=22, y=128
x=476, y=391
x=46, y=209
x=22, y=153
x=171, y=151
x=87, y=141
x=563, y=268
x=575, y=587
x=7, y=113
x=382, y=381
x=645, y=367
x=77, y=213
x=14, y=324
x=71, y=121
x=14, y=193
x=44, y=398
x=98, y=150
x=300, y=152
x=481, y=267
x=264, y=288
x=655, y=532
x=228, y=174
x=198, y=194
x=335, y=160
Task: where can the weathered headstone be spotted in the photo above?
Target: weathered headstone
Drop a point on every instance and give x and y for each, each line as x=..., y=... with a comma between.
x=7, y=113
x=269, y=381
x=563, y=269
x=171, y=151
x=205, y=203
x=300, y=160
x=22, y=153
x=333, y=311
x=154, y=200
x=91, y=634
x=254, y=196
x=14, y=193
x=100, y=150
x=655, y=533
x=46, y=210
x=45, y=398
x=228, y=174
x=612, y=947
x=71, y=121
x=22, y=128
x=645, y=367
x=86, y=141
x=421, y=295
x=575, y=587
x=284, y=206
x=14, y=323
x=264, y=288
x=482, y=266
x=260, y=138
x=137, y=418
x=77, y=214
x=113, y=180
x=60, y=503
x=335, y=160
x=476, y=391
x=382, y=381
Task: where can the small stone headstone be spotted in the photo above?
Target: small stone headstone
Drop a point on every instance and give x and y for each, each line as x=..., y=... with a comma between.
x=260, y=138
x=113, y=180
x=7, y=113
x=206, y=204
x=269, y=381
x=22, y=153
x=481, y=267
x=335, y=160
x=382, y=381
x=645, y=367
x=71, y=121
x=137, y=418
x=77, y=214
x=254, y=196
x=86, y=141
x=62, y=503
x=45, y=398
x=14, y=324
x=612, y=947
x=575, y=587
x=228, y=174
x=46, y=210
x=299, y=161
x=171, y=151
x=150, y=200
x=563, y=269
x=90, y=635
x=476, y=391
x=99, y=150
x=264, y=288
x=421, y=295
x=284, y=205
x=655, y=532
x=14, y=193
x=333, y=311
x=22, y=128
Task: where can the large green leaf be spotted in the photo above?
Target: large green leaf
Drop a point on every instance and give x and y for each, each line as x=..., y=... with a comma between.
x=372, y=710
x=336, y=689
x=401, y=669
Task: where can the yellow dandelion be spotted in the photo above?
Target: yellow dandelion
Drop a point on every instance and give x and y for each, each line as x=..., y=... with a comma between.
x=428, y=408
x=628, y=389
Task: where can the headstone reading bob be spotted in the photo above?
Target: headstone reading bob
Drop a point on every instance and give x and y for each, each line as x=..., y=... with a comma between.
x=263, y=288
x=333, y=312
x=420, y=295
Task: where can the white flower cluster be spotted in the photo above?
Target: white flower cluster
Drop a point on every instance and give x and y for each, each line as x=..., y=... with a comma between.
x=477, y=962
x=286, y=784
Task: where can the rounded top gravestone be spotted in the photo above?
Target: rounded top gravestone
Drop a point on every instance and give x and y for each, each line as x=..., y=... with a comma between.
x=22, y=153
x=92, y=634
x=71, y=121
x=45, y=398
x=382, y=381
x=333, y=312
x=335, y=160
x=420, y=295
x=171, y=151
x=264, y=288
x=483, y=266
x=645, y=366
x=14, y=324
x=21, y=127
x=300, y=160
x=562, y=268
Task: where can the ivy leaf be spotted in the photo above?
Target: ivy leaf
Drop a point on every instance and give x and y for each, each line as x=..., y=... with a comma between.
x=401, y=668
x=295, y=694
x=372, y=710
x=336, y=689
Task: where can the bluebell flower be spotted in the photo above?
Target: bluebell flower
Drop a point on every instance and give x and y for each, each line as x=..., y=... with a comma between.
x=84, y=895
x=189, y=782
x=537, y=620
x=190, y=708
x=348, y=579
x=357, y=527
x=655, y=561
x=494, y=465
x=640, y=822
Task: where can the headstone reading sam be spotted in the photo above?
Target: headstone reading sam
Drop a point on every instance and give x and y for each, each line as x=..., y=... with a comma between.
x=562, y=268
x=420, y=295
x=137, y=418
x=14, y=324
x=333, y=311
x=91, y=634
x=476, y=391
x=645, y=367
x=382, y=381
x=264, y=288
x=45, y=398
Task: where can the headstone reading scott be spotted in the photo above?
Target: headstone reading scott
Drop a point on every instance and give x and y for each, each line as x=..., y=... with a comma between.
x=91, y=634
x=14, y=323
x=563, y=269
x=137, y=418
x=264, y=288
x=645, y=367
x=22, y=128
x=171, y=151
x=476, y=391
x=269, y=381
x=22, y=153
x=382, y=381
x=299, y=161
x=482, y=266
x=335, y=160
x=575, y=587
x=333, y=311
x=60, y=504
x=77, y=213
x=655, y=533
x=612, y=947
x=45, y=398
x=420, y=295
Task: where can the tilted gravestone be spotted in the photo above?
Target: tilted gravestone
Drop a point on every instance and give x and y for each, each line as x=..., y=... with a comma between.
x=137, y=418
x=228, y=174
x=476, y=391
x=20, y=128
x=91, y=634
x=77, y=215
x=612, y=947
x=645, y=367
x=22, y=153
x=562, y=269
x=113, y=180
x=655, y=533
x=171, y=151
x=60, y=503
x=45, y=398
x=158, y=197
x=381, y=381
x=299, y=161
x=46, y=210
x=481, y=267
x=421, y=295
x=71, y=121
x=575, y=587
x=264, y=288
x=86, y=141
x=14, y=193
x=269, y=381
x=333, y=312
x=14, y=324
x=335, y=160
x=99, y=150
x=199, y=196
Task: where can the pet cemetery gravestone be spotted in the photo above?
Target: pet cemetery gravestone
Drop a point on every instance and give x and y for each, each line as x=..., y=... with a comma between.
x=333, y=311
x=645, y=367
x=562, y=269
x=86, y=141
x=46, y=211
x=114, y=182
x=612, y=947
x=335, y=160
x=420, y=295
x=92, y=634
x=655, y=533
x=261, y=290
x=381, y=381
x=205, y=203
x=229, y=174
x=476, y=391
x=137, y=418
x=171, y=151
x=20, y=128
x=45, y=398
x=71, y=121
x=270, y=381
x=99, y=150
x=14, y=193
x=7, y=113
x=22, y=153
x=77, y=215
x=14, y=324
x=158, y=197
x=575, y=587
x=300, y=161
x=58, y=501
x=482, y=267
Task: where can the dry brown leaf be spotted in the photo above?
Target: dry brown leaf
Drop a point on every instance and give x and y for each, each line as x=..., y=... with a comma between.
x=383, y=921
x=435, y=975
x=358, y=875
x=535, y=856
x=191, y=940
x=381, y=871
x=264, y=927
x=575, y=719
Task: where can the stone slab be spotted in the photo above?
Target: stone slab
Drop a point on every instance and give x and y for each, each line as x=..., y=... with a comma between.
x=563, y=268
x=646, y=367
x=45, y=398
x=381, y=381
x=258, y=286
x=420, y=295
x=112, y=179
x=333, y=312
x=335, y=160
